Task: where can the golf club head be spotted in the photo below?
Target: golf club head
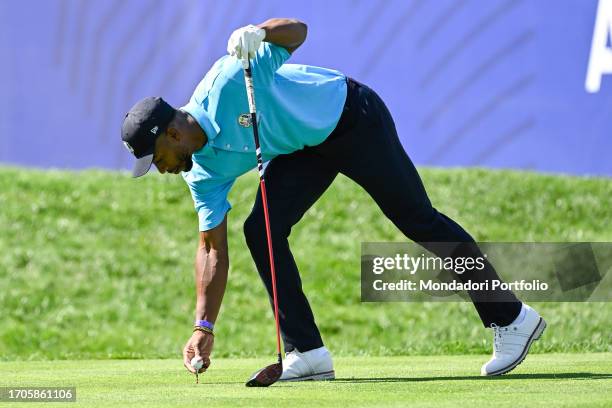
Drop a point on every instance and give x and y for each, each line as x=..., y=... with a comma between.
x=266, y=376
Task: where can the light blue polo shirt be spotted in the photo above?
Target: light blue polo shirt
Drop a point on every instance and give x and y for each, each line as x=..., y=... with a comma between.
x=297, y=106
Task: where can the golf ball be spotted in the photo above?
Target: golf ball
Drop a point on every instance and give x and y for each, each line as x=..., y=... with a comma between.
x=197, y=363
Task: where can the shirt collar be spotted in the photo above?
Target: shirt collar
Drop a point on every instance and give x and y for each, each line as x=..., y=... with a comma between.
x=206, y=122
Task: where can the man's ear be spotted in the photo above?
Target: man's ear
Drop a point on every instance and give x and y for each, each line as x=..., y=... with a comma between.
x=173, y=134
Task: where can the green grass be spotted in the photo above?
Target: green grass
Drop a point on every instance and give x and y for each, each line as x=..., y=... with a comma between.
x=95, y=264
x=550, y=380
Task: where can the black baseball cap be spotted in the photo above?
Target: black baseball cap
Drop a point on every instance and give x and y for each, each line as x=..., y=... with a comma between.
x=141, y=127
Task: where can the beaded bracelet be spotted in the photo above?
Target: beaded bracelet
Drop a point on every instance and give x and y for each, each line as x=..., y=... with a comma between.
x=203, y=329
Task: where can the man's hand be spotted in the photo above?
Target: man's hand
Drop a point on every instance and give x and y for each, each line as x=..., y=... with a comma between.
x=200, y=344
x=245, y=41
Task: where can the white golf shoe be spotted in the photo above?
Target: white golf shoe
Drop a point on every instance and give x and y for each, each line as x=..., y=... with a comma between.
x=311, y=365
x=511, y=343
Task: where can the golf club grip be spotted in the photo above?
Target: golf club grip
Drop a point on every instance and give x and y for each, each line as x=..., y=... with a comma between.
x=248, y=80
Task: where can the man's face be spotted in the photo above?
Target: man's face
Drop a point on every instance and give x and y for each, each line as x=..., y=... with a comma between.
x=171, y=155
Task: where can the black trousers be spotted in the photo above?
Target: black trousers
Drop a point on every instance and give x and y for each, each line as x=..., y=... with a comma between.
x=365, y=147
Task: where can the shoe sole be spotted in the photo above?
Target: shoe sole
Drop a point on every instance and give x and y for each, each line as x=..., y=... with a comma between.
x=325, y=376
x=537, y=333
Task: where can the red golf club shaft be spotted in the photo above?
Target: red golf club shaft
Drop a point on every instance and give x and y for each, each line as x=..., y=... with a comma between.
x=264, y=199
x=248, y=79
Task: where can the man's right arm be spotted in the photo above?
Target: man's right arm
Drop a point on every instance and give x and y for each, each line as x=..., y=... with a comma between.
x=211, y=266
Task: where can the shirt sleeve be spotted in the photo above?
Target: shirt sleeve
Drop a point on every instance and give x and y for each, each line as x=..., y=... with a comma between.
x=268, y=59
x=210, y=201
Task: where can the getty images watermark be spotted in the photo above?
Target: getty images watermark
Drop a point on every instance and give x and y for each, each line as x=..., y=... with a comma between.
x=562, y=272
x=460, y=265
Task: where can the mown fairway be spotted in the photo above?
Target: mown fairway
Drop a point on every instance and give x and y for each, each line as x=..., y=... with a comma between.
x=102, y=264
x=550, y=380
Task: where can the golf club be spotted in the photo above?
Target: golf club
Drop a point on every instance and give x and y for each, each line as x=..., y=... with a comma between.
x=269, y=374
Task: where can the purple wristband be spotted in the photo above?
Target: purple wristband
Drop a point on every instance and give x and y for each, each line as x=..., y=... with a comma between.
x=204, y=323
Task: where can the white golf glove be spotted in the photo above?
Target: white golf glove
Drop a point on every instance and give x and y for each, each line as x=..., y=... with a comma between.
x=244, y=42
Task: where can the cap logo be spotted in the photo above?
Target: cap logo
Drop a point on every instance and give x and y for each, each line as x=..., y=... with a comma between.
x=244, y=120
x=154, y=130
x=127, y=146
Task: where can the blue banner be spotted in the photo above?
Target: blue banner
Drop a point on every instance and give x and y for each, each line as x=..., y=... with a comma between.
x=498, y=83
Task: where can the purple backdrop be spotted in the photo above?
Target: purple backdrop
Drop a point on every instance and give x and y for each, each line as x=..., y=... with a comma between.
x=499, y=83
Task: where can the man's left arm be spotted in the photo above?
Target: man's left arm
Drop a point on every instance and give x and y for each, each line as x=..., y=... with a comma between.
x=283, y=32
x=287, y=32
